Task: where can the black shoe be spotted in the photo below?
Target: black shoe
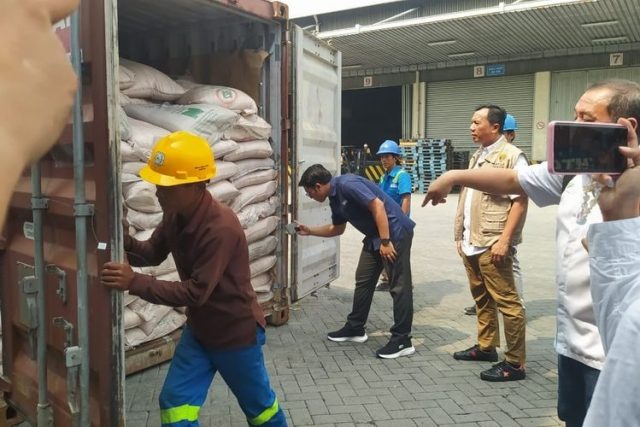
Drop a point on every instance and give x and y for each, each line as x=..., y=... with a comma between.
x=348, y=334
x=503, y=371
x=470, y=311
x=396, y=348
x=382, y=287
x=474, y=353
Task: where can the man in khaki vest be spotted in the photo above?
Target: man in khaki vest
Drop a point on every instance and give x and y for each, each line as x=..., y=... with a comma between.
x=487, y=227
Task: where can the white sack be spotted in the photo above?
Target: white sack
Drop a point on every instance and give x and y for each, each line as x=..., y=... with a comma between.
x=262, y=282
x=165, y=267
x=262, y=247
x=261, y=229
x=128, y=298
x=131, y=319
x=126, y=100
x=160, y=312
x=141, y=196
x=249, y=128
x=125, y=77
x=167, y=325
x=143, y=235
x=123, y=122
x=223, y=147
x=232, y=99
x=251, y=214
x=224, y=170
x=254, y=178
x=252, y=165
x=151, y=83
x=148, y=311
x=262, y=265
x=250, y=150
x=208, y=121
x=143, y=220
x=263, y=297
x=132, y=168
x=170, y=277
x=254, y=194
x=223, y=191
x=144, y=136
x=127, y=154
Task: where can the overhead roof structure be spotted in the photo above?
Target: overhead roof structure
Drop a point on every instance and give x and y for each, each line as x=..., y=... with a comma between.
x=420, y=35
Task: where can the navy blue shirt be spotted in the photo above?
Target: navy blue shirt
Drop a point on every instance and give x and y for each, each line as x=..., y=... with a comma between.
x=349, y=198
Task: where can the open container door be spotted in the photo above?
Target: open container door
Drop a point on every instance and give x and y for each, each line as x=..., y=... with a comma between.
x=63, y=361
x=317, y=87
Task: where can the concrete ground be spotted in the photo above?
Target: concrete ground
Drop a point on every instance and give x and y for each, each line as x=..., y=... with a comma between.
x=320, y=383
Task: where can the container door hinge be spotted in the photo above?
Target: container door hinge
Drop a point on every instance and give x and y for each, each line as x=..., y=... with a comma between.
x=72, y=360
x=29, y=314
x=61, y=291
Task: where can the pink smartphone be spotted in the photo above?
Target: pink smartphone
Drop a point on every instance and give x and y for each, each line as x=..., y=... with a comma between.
x=585, y=148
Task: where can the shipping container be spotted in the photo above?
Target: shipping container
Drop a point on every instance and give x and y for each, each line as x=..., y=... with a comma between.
x=64, y=360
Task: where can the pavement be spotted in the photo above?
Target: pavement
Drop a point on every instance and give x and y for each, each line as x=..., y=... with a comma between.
x=321, y=383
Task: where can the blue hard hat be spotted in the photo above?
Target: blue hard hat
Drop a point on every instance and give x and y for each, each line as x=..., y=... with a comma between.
x=389, y=147
x=510, y=123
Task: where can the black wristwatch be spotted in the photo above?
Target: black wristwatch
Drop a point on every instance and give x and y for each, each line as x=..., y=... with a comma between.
x=385, y=242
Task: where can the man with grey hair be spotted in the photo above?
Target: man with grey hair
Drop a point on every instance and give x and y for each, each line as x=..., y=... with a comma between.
x=578, y=342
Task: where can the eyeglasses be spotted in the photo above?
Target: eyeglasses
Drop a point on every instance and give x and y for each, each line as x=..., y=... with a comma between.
x=309, y=191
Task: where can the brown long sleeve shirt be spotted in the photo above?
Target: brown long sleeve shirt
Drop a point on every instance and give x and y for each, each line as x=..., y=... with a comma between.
x=212, y=259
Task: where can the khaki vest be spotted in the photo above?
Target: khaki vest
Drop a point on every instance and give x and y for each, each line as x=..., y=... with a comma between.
x=489, y=211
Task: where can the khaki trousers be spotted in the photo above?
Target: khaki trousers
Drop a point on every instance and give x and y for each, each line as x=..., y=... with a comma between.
x=493, y=287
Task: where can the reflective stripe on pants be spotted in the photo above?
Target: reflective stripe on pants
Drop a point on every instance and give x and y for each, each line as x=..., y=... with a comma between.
x=191, y=373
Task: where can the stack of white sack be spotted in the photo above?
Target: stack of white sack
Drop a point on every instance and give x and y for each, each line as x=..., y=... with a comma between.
x=144, y=321
x=245, y=180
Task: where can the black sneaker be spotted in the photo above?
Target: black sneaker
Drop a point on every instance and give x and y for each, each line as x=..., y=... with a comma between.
x=348, y=334
x=470, y=311
x=503, y=371
x=474, y=353
x=382, y=287
x=396, y=348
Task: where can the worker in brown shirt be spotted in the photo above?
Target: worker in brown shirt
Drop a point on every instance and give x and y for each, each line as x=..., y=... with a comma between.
x=225, y=324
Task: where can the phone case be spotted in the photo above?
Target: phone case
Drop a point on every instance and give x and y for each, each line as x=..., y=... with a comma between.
x=551, y=144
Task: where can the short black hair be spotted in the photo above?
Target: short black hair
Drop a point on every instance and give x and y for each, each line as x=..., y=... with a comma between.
x=625, y=101
x=495, y=115
x=315, y=174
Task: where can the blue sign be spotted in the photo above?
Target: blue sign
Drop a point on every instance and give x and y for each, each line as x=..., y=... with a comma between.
x=496, y=70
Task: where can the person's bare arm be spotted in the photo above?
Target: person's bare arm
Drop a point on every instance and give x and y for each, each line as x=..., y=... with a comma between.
x=406, y=203
x=37, y=86
x=327, y=230
x=622, y=200
x=488, y=180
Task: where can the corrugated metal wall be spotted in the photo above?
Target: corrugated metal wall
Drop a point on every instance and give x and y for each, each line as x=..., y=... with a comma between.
x=567, y=87
x=450, y=106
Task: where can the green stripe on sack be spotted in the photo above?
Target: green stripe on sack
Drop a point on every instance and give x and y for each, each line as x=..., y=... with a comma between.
x=266, y=415
x=179, y=413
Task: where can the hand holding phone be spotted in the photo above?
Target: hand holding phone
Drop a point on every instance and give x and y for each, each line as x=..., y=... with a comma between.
x=586, y=148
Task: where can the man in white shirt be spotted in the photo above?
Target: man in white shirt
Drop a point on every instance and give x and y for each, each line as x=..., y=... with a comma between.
x=578, y=343
x=487, y=227
x=614, y=250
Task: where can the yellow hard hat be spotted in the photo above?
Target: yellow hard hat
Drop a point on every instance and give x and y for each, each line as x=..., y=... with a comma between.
x=179, y=158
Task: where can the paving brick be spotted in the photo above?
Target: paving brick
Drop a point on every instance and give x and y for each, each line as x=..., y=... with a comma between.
x=333, y=418
x=321, y=383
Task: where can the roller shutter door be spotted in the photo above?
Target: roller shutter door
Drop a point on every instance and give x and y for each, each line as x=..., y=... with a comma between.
x=567, y=87
x=450, y=106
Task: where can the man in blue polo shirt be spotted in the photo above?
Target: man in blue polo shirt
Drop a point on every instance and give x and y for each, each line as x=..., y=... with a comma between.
x=387, y=244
